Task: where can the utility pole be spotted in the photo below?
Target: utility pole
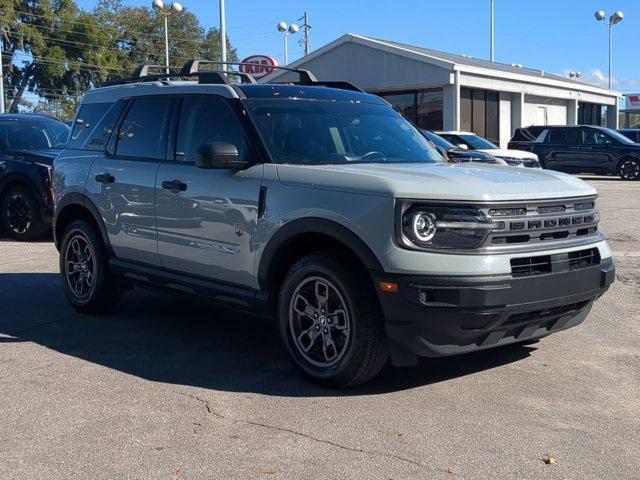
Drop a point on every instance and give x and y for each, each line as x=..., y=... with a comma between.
x=493, y=21
x=307, y=33
x=223, y=34
x=1, y=77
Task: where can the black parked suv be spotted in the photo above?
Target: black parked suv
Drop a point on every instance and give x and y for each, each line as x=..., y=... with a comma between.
x=28, y=145
x=581, y=149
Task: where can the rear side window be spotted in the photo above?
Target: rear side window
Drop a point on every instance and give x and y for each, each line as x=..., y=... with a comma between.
x=205, y=120
x=86, y=120
x=142, y=133
x=563, y=137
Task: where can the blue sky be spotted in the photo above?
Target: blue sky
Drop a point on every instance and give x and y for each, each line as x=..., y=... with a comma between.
x=553, y=35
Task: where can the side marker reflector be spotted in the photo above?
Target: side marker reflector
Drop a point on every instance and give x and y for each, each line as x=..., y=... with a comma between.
x=388, y=287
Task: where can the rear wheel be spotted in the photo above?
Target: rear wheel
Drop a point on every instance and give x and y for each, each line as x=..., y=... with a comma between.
x=330, y=323
x=629, y=169
x=86, y=278
x=21, y=214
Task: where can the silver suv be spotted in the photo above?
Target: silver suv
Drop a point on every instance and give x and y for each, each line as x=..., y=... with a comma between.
x=318, y=205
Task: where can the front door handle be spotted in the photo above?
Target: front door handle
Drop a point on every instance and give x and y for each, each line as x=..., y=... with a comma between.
x=174, y=185
x=105, y=178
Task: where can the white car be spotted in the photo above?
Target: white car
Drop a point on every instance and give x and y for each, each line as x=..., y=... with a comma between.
x=471, y=141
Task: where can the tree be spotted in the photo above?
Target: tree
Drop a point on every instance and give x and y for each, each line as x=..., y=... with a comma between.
x=57, y=51
x=54, y=49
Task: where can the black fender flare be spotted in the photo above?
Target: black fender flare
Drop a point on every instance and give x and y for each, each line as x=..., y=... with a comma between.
x=76, y=198
x=315, y=225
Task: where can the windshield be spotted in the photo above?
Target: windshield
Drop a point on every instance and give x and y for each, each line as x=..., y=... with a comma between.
x=439, y=141
x=472, y=141
x=32, y=135
x=321, y=132
x=619, y=137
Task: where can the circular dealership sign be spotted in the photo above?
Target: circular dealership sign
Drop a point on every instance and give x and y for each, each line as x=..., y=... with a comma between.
x=261, y=65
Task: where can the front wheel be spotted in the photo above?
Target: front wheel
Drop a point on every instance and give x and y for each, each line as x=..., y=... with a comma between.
x=21, y=215
x=629, y=169
x=330, y=323
x=86, y=278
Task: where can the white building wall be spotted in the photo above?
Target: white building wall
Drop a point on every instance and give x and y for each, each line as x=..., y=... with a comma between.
x=544, y=111
x=505, y=119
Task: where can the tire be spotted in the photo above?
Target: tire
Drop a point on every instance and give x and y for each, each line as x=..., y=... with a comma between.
x=21, y=215
x=629, y=169
x=87, y=280
x=330, y=322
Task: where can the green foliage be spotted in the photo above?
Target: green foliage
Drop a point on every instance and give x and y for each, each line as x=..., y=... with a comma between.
x=57, y=51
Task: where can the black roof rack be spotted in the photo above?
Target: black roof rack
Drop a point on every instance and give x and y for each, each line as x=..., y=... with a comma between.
x=192, y=67
x=220, y=75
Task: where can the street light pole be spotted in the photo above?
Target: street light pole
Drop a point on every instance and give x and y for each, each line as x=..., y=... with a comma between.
x=286, y=31
x=617, y=17
x=158, y=6
x=223, y=33
x=492, y=33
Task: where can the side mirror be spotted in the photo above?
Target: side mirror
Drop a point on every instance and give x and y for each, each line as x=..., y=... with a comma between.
x=221, y=155
x=463, y=146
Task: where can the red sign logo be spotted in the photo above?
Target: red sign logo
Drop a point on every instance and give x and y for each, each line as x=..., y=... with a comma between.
x=260, y=65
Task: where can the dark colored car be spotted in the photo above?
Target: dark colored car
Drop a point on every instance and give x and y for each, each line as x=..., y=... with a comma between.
x=28, y=145
x=581, y=149
x=458, y=154
x=632, y=134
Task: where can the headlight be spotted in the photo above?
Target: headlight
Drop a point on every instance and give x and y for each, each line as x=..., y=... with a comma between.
x=442, y=227
x=514, y=162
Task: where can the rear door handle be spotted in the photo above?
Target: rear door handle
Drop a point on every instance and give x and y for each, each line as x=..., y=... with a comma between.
x=174, y=185
x=105, y=178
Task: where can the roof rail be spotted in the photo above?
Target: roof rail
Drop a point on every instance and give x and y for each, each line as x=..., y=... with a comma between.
x=193, y=66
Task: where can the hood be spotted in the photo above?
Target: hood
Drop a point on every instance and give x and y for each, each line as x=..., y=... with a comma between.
x=507, y=152
x=45, y=157
x=437, y=181
x=476, y=155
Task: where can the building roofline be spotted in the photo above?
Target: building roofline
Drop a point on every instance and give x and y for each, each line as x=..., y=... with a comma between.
x=433, y=59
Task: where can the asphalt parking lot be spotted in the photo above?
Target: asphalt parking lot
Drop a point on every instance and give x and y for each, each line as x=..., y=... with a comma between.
x=167, y=387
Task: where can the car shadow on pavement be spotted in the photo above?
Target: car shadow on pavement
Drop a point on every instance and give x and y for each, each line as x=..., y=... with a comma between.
x=175, y=339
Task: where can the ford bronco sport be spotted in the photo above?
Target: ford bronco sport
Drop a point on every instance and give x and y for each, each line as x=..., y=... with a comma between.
x=320, y=206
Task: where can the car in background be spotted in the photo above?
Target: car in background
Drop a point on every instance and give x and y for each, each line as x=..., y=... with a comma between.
x=471, y=141
x=456, y=154
x=632, y=134
x=28, y=145
x=581, y=149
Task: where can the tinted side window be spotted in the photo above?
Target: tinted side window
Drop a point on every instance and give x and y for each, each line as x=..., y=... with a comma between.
x=594, y=137
x=102, y=131
x=143, y=131
x=563, y=137
x=88, y=116
x=205, y=120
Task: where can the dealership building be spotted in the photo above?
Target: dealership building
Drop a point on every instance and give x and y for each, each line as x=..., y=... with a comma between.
x=438, y=90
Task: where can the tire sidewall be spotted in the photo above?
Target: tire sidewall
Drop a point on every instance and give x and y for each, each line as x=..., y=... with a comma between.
x=622, y=163
x=82, y=228
x=36, y=217
x=345, y=282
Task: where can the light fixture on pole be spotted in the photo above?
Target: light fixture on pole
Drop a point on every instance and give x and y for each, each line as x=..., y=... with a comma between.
x=575, y=75
x=286, y=31
x=617, y=17
x=159, y=6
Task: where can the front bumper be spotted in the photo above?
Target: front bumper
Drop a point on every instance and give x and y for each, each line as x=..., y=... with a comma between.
x=439, y=316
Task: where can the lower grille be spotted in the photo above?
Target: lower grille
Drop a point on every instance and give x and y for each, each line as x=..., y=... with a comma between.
x=544, y=314
x=561, y=262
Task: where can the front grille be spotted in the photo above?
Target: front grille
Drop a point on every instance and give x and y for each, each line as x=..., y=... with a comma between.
x=540, y=222
x=560, y=262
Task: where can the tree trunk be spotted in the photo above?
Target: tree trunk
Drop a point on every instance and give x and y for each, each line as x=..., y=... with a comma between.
x=21, y=88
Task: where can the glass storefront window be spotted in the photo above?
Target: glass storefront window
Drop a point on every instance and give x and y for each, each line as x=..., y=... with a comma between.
x=405, y=103
x=480, y=113
x=429, y=110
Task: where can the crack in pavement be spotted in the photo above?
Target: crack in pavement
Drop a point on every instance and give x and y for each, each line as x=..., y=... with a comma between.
x=211, y=411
